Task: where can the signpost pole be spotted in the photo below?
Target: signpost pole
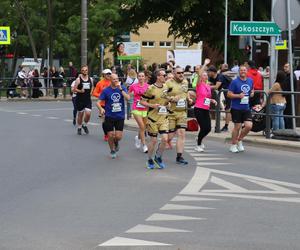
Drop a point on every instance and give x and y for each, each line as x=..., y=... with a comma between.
x=291, y=61
x=251, y=39
x=273, y=60
x=225, y=33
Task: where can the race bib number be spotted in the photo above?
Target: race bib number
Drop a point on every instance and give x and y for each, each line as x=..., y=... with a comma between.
x=116, y=107
x=181, y=103
x=162, y=110
x=139, y=105
x=206, y=101
x=86, y=85
x=245, y=100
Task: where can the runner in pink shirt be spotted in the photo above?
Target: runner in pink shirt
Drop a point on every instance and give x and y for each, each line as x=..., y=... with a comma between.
x=201, y=109
x=139, y=111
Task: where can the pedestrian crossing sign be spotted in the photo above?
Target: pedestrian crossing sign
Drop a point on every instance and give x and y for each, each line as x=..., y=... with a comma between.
x=4, y=35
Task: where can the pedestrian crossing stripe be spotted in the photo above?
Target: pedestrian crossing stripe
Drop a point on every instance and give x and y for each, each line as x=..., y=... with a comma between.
x=4, y=35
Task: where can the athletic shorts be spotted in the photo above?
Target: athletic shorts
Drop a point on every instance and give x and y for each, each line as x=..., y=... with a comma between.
x=140, y=113
x=113, y=125
x=227, y=102
x=84, y=105
x=240, y=116
x=177, y=120
x=155, y=128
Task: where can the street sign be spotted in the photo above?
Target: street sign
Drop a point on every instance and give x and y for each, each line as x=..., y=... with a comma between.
x=250, y=28
x=4, y=35
x=280, y=14
x=281, y=45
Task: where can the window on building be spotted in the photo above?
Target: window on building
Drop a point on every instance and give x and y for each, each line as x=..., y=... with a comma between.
x=182, y=45
x=149, y=44
x=165, y=44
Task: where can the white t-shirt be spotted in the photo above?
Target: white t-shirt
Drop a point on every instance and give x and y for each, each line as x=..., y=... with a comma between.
x=297, y=73
x=72, y=86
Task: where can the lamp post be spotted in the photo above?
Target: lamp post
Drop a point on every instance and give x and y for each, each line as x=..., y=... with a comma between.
x=225, y=33
x=251, y=40
x=84, y=32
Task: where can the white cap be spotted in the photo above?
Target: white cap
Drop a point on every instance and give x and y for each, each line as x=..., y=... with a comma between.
x=106, y=71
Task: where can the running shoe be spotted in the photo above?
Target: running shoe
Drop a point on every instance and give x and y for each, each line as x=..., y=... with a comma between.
x=74, y=121
x=145, y=149
x=199, y=149
x=240, y=147
x=117, y=146
x=159, y=163
x=105, y=138
x=224, y=129
x=79, y=131
x=234, y=148
x=137, y=142
x=150, y=164
x=113, y=154
x=85, y=129
x=181, y=161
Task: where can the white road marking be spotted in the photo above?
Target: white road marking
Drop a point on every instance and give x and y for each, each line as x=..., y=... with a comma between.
x=182, y=207
x=170, y=217
x=93, y=124
x=121, y=241
x=199, y=179
x=22, y=113
x=204, y=154
x=68, y=120
x=154, y=229
x=203, y=163
x=225, y=184
x=202, y=176
x=41, y=110
x=52, y=118
x=209, y=159
x=36, y=115
x=192, y=198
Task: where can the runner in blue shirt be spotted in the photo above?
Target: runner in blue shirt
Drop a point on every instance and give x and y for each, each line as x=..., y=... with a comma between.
x=239, y=91
x=114, y=110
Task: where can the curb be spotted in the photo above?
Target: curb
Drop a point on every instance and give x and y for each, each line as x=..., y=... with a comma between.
x=271, y=143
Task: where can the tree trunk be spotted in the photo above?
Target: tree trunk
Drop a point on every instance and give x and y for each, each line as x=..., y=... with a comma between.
x=50, y=31
x=21, y=11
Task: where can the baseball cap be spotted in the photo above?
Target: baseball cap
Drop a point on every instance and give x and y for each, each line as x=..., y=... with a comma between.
x=106, y=71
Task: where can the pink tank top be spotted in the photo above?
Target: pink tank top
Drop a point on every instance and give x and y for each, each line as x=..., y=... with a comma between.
x=138, y=91
x=203, y=96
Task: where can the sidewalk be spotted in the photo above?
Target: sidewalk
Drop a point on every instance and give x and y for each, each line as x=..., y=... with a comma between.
x=252, y=138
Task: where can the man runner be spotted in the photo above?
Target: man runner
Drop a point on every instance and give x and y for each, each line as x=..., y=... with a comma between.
x=100, y=86
x=157, y=123
x=114, y=111
x=83, y=88
x=239, y=91
x=178, y=96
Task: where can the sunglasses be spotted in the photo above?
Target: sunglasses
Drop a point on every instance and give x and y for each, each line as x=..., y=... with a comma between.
x=179, y=73
x=108, y=74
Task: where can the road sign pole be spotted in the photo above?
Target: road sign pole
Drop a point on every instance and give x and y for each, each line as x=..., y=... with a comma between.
x=225, y=34
x=273, y=60
x=251, y=39
x=291, y=61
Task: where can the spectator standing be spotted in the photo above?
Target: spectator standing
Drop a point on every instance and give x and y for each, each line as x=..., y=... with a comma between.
x=288, y=110
x=72, y=73
x=278, y=101
x=36, y=84
x=257, y=78
x=297, y=72
x=235, y=67
x=55, y=80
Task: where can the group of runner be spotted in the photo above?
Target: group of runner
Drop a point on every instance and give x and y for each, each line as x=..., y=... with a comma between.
x=160, y=110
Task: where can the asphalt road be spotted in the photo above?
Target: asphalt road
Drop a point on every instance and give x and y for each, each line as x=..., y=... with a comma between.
x=62, y=191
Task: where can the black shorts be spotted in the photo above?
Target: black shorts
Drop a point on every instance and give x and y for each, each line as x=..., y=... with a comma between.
x=113, y=125
x=227, y=102
x=240, y=116
x=83, y=105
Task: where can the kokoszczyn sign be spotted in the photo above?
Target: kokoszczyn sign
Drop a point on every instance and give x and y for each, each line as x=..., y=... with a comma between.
x=247, y=28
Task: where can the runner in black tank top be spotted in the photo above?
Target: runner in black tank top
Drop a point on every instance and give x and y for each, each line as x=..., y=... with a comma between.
x=83, y=88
